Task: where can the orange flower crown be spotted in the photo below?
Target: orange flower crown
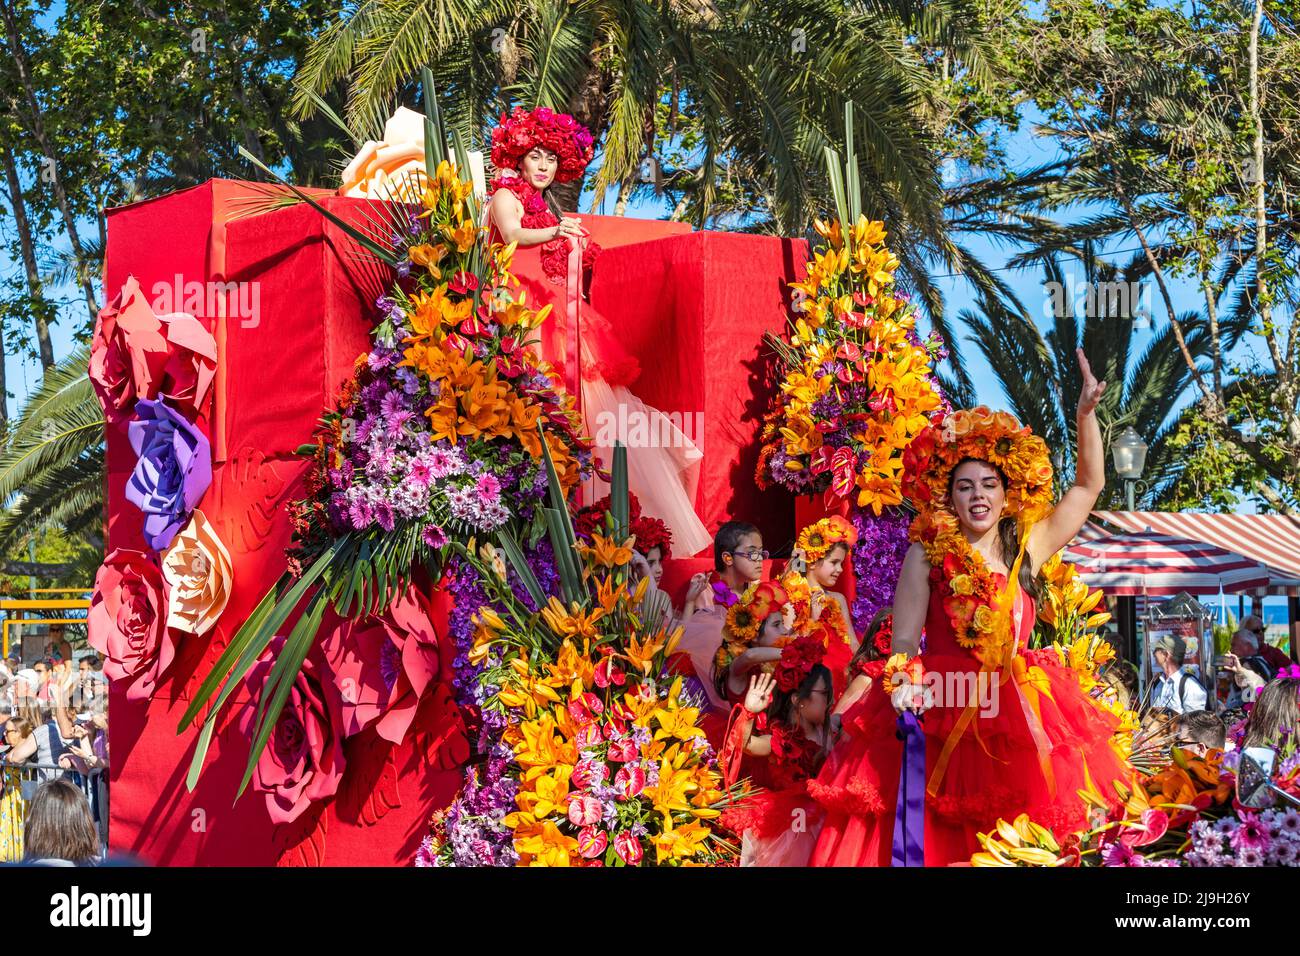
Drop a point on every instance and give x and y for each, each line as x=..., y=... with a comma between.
x=745, y=619
x=816, y=540
x=980, y=433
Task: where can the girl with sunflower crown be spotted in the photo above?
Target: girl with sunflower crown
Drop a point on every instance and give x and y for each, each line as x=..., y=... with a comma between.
x=533, y=150
x=1006, y=730
x=815, y=568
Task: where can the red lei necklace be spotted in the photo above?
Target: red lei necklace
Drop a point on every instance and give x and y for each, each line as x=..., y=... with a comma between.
x=537, y=215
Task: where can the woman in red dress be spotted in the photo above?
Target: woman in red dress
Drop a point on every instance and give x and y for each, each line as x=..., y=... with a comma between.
x=1006, y=730
x=553, y=262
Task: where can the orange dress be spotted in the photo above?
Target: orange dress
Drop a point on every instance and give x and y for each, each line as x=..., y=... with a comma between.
x=1030, y=747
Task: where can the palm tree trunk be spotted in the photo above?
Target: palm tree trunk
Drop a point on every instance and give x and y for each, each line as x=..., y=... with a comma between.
x=4, y=390
x=624, y=194
x=39, y=304
x=38, y=131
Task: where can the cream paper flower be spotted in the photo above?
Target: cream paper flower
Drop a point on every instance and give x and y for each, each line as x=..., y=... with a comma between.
x=199, y=576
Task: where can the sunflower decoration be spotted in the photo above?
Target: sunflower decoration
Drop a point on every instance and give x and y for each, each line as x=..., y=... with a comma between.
x=817, y=540
x=745, y=619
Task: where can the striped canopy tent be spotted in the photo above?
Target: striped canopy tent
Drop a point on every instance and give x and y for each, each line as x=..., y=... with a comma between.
x=1272, y=540
x=1159, y=565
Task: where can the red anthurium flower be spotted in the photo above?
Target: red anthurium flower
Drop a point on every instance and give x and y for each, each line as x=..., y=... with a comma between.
x=591, y=843
x=621, y=751
x=584, y=810
x=463, y=282
x=821, y=460
x=629, y=781
x=628, y=848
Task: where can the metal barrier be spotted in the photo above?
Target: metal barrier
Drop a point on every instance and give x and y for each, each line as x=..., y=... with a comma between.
x=93, y=783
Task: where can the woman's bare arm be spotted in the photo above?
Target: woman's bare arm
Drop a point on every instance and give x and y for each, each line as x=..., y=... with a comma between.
x=1057, y=530
x=911, y=601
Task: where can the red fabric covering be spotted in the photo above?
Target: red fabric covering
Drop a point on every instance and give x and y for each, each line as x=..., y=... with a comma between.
x=693, y=309
x=277, y=371
x=995, y=769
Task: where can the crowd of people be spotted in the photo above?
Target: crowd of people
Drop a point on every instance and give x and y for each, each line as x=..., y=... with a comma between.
x=54, y=757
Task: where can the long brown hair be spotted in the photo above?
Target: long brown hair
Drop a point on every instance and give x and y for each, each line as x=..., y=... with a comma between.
x=867, y=649
x=1008, y=533
x=1276, y=713
x=59, y=825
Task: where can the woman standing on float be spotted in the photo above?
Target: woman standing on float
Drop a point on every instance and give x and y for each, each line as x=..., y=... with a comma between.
x=531, y=152
x=1008, y=730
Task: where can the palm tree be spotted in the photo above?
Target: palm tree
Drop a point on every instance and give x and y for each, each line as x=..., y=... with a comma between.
x=1039, y=374
x=52, y=468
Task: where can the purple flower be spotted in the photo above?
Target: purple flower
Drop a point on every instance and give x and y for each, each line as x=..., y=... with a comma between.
x=173, y=469
x=434, y=537
x=1252, y=834
x=877, y=560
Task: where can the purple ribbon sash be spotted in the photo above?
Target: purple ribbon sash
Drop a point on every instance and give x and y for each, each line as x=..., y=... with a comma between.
x=909, y=814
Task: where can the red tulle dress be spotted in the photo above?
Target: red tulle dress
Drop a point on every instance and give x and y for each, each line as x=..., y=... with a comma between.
x=1032, y=744
x=663, y=473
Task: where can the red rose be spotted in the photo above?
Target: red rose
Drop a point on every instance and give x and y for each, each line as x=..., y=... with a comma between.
x=303, y=761
x=127, y=622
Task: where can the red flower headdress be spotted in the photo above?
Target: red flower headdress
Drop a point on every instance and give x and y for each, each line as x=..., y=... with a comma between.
x=650, y=532
x=560, y=133
x=745, y=619
x=799, y=657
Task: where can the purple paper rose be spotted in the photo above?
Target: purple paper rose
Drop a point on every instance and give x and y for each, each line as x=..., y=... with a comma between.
x=172, y=471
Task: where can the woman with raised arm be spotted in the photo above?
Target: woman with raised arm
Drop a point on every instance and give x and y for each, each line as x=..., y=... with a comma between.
x=532, y=151
x=1006, y=730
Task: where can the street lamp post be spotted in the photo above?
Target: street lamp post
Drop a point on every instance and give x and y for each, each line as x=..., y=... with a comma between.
x=1129, y=453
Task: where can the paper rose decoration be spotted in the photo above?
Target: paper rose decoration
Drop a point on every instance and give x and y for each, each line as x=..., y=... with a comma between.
x=383, y=666
x=302, y=763
x=137, y=354
x=198, y=573
x=127, y=622
x=172, y=471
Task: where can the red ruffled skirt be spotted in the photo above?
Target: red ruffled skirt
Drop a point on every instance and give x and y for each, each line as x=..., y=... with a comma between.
x=995, y=769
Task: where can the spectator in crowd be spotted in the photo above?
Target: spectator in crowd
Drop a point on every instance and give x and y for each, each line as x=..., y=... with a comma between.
x=60, y=829
x=91, y=688
x=1249, y=670
x=1275, y=715
x=1175, y=689
x=1274, y=656
x=1200, y=731
x=89, y=748
x=17, y=748
x=50, y=741
x=42, y=671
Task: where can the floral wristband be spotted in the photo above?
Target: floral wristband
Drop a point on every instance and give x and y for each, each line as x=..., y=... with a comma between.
x=910, y=667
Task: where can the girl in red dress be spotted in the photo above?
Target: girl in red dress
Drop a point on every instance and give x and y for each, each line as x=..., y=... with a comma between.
x=553, y=262
x=1006, y=730
x=822, y=549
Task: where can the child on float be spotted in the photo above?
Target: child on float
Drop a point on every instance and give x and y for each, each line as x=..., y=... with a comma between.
x=815, y=568
x=738, y=562
x=868, y=661
x=779, y=737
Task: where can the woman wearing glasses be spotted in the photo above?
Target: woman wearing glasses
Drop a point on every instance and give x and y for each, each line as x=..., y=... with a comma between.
x=19, y=747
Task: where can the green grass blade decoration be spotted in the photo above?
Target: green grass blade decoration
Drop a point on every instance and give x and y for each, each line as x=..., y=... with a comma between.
x=319, y=102
x=853, y=184
x=565, y=558
x=433, y=141
x=836, y=176
x=619, y=503
x=556, y=492
x=387, y=256
x=282, y=676
x=515, y=555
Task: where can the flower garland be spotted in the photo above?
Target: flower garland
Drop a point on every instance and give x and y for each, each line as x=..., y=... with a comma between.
x=966, y=587
x=858, y=382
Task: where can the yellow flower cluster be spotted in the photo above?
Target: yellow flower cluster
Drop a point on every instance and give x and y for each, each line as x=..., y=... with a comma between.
x=1020, y=843
x=858, y=385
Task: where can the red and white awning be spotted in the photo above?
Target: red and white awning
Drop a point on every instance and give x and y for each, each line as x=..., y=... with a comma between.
x=1272, y=540
x=1162, y=565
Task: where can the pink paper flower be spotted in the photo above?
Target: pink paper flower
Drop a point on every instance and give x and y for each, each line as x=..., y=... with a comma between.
x=383, y=666
x=127, y=622
x=137, y=354
x=303, y=760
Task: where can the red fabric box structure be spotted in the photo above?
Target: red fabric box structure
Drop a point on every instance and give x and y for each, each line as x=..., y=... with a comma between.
x=693, y=306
